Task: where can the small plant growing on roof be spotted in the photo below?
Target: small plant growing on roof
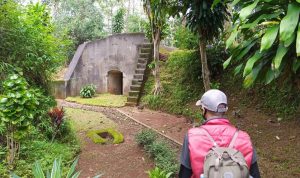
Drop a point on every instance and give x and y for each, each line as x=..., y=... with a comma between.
x=88, y=91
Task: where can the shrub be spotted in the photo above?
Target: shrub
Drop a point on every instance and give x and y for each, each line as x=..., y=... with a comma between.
x=158, y=173
x=88, y=91
x=185, y=39
x=145, y=137
x=153, y=101
x=164, y=156
x=17, y=110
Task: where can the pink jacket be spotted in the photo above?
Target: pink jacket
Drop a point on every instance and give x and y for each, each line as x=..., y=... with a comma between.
x=222, y=132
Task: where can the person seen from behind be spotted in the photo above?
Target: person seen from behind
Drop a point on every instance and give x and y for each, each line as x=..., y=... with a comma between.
x=217, y=149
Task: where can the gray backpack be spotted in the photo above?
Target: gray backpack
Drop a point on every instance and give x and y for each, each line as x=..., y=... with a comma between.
x=223, y=162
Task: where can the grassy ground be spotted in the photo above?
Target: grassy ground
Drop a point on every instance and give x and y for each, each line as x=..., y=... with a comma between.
x=105, y=100
x=87, y=120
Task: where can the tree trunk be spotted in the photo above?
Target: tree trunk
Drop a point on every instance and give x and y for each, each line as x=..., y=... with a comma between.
x=205, y=70
x=156, y=40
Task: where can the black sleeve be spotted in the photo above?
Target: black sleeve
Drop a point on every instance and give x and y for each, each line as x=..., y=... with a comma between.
x=254, y=171
x=185, y=172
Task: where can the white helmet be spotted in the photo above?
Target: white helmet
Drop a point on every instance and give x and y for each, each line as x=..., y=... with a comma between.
x=213, y=100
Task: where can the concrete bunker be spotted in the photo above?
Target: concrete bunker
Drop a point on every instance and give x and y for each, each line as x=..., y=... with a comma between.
x=115, y=82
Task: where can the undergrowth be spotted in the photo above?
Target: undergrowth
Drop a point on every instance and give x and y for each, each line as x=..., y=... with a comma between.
x=164, y=156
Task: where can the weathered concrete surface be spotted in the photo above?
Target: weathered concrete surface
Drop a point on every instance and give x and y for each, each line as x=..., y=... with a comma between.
x=94, y=60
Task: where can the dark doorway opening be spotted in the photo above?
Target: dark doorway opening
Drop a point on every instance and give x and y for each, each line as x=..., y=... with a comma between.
x=115, y=82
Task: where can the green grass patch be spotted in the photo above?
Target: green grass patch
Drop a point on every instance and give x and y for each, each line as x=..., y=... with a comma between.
x=84, y=120
x=105, y=100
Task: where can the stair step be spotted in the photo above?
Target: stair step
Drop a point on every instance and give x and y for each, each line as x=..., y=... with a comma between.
x=139, y=71
x=134, y=93
x=144, y=55
x=131, y=103
x=136, y=82
x=138, y=76
x=141, y=66
x=135, y=87
x=142, y=60
x=145, y=50
x=147, y=45
x=132, y=99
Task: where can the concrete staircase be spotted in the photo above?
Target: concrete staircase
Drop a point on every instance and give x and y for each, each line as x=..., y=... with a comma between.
x=140, y=75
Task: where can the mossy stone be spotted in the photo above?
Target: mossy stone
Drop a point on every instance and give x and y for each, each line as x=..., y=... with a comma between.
x=94, y=135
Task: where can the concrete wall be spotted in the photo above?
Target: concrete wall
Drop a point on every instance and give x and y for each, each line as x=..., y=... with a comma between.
x=117, y=52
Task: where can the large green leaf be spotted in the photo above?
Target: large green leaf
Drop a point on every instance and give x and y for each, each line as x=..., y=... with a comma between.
x=232, y=37
x=298, y=41
x=296, y=65
x=261, y=17
x=226, y=63
x=281, y=51
x=269, y=37
x=237, y=70
x=246, y=11
x=250, y=78
x=38, y=171
x=251, y=62
x=235, y=2
x=289, y=22
x=289, y=41
x=72, y=168
x=269, y=76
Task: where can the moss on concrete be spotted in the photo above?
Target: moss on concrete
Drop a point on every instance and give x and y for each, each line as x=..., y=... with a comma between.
x=106, y=100
x=94, y=136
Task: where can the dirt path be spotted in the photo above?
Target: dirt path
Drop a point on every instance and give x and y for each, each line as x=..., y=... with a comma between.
x=276, y=142
x=123, y=160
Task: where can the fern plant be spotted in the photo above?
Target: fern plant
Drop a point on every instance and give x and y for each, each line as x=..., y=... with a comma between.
x=88, y=91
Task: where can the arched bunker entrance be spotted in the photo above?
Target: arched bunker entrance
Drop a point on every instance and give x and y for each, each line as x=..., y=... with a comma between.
x=115, y=82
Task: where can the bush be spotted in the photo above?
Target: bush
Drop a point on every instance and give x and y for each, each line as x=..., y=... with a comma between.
x=88, y=91
x=164, y=156
x=44, y=152
x=185, y=39
x=145, y=137
x=158, y=173
x=153, y=101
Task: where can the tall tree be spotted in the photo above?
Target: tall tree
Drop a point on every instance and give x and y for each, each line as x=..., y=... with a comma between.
x=82, y=19
x=271, y=41
x=207, y=22
x=157, y=12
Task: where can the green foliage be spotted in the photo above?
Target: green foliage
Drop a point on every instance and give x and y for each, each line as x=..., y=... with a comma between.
x=118, y=21
x=204, y=20
x=56, y=171
x=27, y=42
x=17, y=103
x=82, y=20
x=43, y=151
x=158, y=173
x=145, y=137
x=94, y=135
x=153, y=101
x=135, y=23
x=17, y=110
x=269, y=30
x=185, y=39
x=165, y=158
x=88, y=91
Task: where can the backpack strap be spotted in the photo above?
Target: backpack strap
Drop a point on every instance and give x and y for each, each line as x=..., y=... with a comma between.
x=233, y=139
x=210, y=137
